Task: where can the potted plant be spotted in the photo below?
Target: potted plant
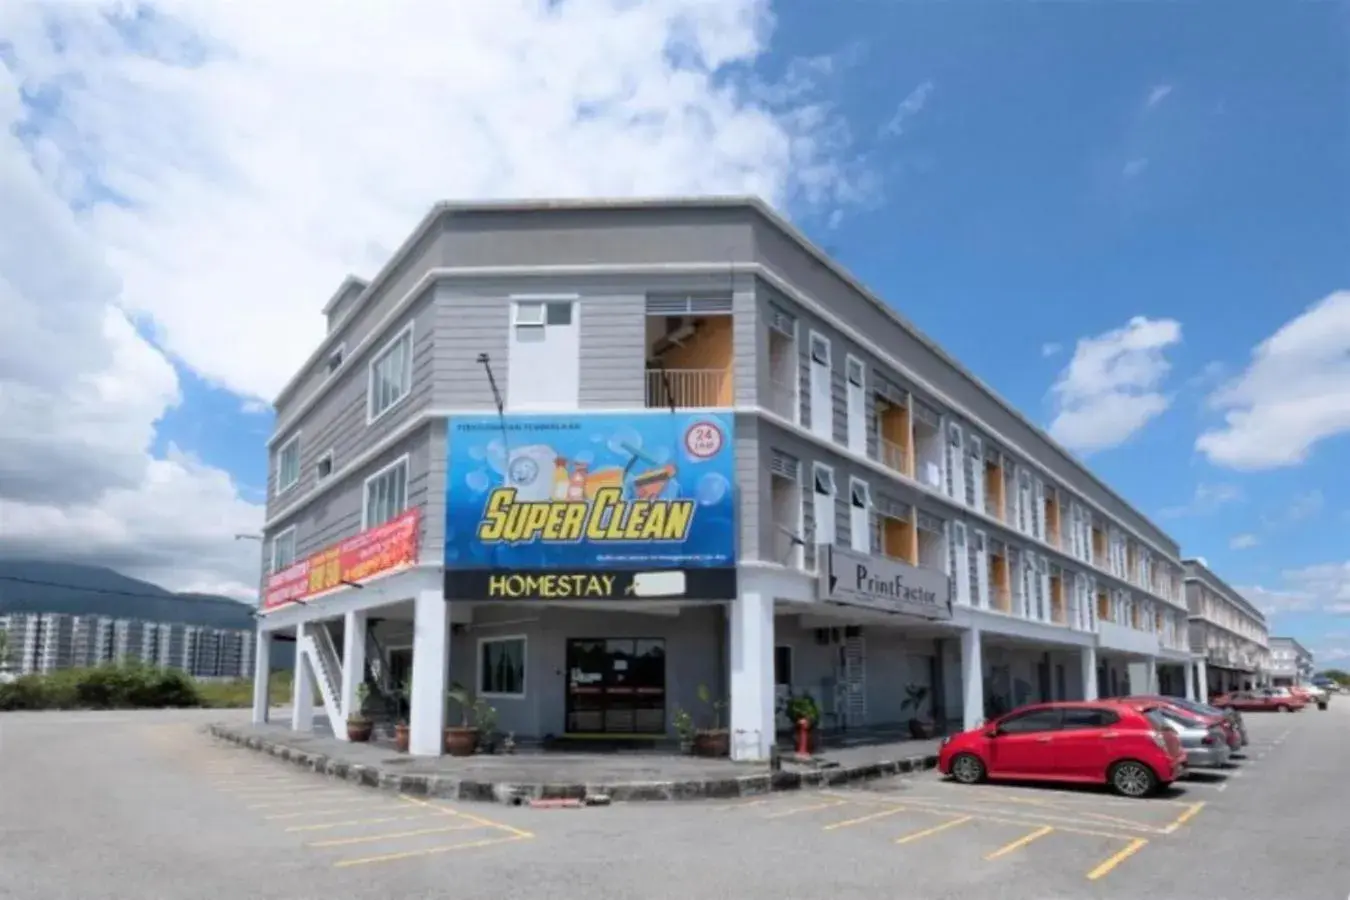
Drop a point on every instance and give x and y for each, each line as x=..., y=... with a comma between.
x=485, y=718
x=915, y=697
x=684, y=727
x=360, y=726
x=802, y=707
x=401, y=730
x=461, y=739
x=714, y=741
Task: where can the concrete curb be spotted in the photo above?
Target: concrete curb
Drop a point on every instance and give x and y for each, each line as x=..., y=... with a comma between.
x=466, y=789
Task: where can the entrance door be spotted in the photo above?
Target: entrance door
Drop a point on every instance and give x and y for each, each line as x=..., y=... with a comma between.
x=616, y=686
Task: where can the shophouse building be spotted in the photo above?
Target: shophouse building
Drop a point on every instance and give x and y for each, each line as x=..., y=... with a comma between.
x=596, y=461
x=1291, y=663
x=1229, y=636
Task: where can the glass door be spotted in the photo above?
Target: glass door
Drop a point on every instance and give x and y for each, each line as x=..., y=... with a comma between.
x=616, y=686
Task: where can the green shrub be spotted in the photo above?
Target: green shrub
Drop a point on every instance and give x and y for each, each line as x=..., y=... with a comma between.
x=132, y=686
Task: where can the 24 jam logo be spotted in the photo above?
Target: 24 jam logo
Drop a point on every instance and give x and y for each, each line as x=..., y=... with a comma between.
x=703, y=440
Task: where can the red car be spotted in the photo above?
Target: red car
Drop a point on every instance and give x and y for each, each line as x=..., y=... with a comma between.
x=1230, y=733
x=1250, y=701
x=1086, y=742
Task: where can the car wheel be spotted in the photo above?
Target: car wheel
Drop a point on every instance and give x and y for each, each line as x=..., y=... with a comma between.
x=1132, y=779
x=967, y=769
x=1283, y=708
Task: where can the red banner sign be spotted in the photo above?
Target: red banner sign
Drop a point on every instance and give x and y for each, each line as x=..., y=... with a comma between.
x=372, y=552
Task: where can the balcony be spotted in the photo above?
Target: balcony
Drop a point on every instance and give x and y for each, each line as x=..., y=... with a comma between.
x=894, y=456
x=688, y=388
x=783, y=399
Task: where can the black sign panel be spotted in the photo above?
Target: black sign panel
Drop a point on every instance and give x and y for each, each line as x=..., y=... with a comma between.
x=590, y=584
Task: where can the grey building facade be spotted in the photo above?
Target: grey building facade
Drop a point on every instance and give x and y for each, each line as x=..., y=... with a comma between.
x=1291, y=663
x=1229, y=635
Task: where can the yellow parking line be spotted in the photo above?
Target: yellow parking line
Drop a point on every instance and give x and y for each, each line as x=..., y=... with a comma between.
x=1020, y=842
x=319, y=812
x=279, y=788
x=1188, y=814
x=1111, y=862
x=430, y=851
x=928, y=832
x=814, y=807
x=371, y=838
x=979, y=816
x=742, y=805
x=849, y=823
x=915, y=803
x=489, y=823
x=380, y=820
x=327, y=799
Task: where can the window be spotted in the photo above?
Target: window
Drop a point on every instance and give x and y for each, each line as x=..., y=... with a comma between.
x=288, y=464
x=823, y=503
x=283, y=549
x=324, y=467
x=822, y=391
x=501, y=667
x=544, y=362
x=1035, y=720
x=1088, y=718
x=386, y=494
x=782, y=666
x=390, y=375
x=860, y=516
x=856, y=405
x=336, y=357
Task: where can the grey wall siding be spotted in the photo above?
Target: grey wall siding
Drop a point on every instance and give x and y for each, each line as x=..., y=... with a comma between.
x=471, y=319
x=338, y=421
x=337, y=513
x=770, y=438
x=776, y=250
x=752, y=490
x=613, y=349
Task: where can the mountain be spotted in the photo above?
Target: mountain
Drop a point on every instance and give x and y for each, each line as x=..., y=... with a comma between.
x=59, y=587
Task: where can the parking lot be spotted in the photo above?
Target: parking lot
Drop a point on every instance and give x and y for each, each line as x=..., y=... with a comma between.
x=115, y=805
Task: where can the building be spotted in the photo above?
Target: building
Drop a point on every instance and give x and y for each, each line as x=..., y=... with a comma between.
x=1291, y=663
x=39, y=643
x=793, y=491
x=1229, y=636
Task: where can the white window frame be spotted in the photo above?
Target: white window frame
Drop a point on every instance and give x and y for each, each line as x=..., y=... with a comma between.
x=292, y=441
x=320, y=478
x=373, y=416
x=856, y=426
x=380, y=473
x=818, y=469
x=855, y=486
x=524, y=666
x=340, y=351
x=273, y=566
x=821, y=423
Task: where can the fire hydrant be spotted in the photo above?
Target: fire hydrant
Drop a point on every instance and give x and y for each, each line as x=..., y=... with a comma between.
x=803, y=736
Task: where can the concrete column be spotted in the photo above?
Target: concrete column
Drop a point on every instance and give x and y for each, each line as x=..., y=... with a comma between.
x=1201, y=680
x=1190, y=682
x=972, y=678
x=430, y=674
x=262, y=675
x=751, y=627
x=353, y=665
x=1087, y=661
x=302, y=696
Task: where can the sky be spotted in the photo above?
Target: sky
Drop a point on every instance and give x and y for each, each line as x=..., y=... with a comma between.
x=1130, y=218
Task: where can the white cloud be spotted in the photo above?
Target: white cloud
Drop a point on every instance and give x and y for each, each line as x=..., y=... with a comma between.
x=1324, y=587
x=1305, y=506
x=1207, y=499
x=1050, y=349
x=1243, y=542
x=1293, y=394
x=229, y=163
x=1156, y=95
x=910, y=107
x=1113, y=385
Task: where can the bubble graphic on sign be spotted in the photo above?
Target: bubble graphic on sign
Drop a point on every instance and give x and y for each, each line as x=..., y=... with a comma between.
x=496, y=456
x=624, y=441
x=476, y=453
x=712, y=489
x=477, y=481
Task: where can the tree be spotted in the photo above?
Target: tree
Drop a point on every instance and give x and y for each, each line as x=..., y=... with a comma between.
x=1339, y=676
x=4, y=650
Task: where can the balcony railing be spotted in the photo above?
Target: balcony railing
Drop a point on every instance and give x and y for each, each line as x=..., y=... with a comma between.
x=894, y=456
x=688, y=388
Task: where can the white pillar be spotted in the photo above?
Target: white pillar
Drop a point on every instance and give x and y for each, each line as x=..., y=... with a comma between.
x=1087, y=661
x=430, y=671
x=262, y=674
x=353, y=665
x=1201, y=680
x=972, y=679
x=1190, y=682
x=302, y=694
x=750, y=623
x=1143, y=676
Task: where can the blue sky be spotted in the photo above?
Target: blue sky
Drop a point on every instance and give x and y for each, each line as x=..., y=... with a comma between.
x=1016, y=178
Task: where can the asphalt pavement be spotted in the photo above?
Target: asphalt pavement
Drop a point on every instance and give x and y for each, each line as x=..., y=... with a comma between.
x=118, y=805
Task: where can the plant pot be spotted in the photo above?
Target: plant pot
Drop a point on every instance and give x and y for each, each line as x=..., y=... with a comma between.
x=920, y=731
x=712, y=743
x=360, y=730
x=686, y=746
x=401, y=733
x=461, y=741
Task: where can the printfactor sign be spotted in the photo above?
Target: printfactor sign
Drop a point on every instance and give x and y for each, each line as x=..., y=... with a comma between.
x=886, y=585
x=591, y=507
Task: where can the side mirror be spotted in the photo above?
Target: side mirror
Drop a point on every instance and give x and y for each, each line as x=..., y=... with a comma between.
x=992, y=732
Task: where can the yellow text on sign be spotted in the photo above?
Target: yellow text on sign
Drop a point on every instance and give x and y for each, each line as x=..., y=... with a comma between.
x=607, y=518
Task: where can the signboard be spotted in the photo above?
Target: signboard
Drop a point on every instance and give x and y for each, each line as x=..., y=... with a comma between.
x=599, y=506
x=372, y=552
x=883, y=584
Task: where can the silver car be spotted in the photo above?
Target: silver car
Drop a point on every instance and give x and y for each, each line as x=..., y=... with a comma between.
x=1206, y=746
